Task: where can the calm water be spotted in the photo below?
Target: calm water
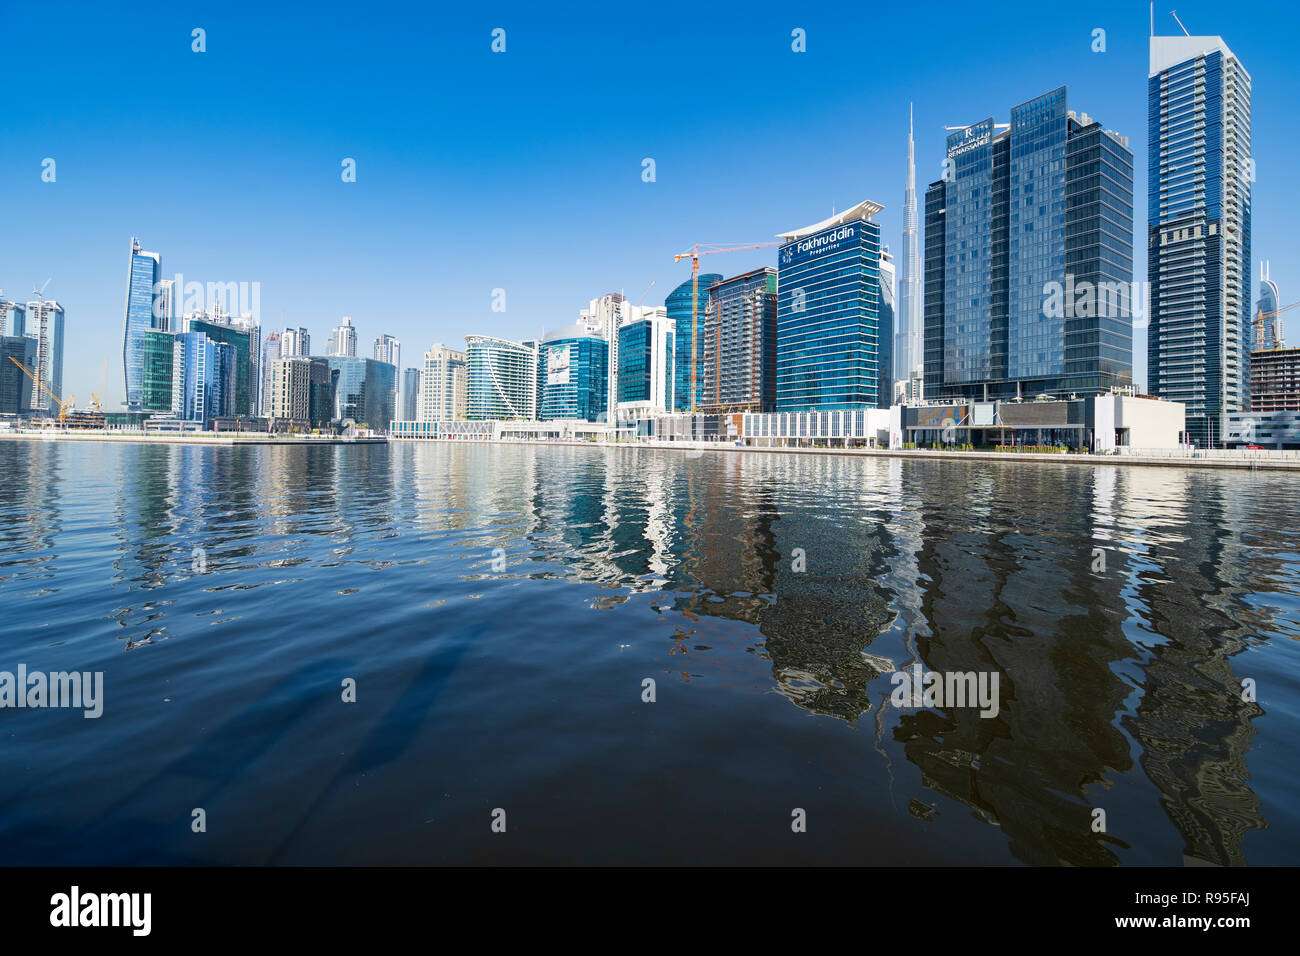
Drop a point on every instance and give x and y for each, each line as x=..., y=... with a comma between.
x=521, y=689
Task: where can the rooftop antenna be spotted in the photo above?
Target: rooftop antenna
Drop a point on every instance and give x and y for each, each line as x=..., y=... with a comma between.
x=1174, y=14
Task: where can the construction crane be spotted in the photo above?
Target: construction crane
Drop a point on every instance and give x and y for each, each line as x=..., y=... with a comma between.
x=63, y=406
x=1260, y=318
x=694, y=254
x=95, y=396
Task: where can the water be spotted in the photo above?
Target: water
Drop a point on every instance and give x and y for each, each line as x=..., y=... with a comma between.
x=521, y=689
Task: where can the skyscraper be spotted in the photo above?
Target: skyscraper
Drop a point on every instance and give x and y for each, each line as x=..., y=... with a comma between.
x=831, y=347
x=270, y=354
x=1029, y=258
x=343, y=340
x=501, y=379
x=645, y=363
x=242, y=342
x=143, y=312
x=13, y=318
x=574, y=369
x=45, y=325
x=909, y=339
x=739, y=344
x=388, y=349
x=1198, y=230
x=1270, y=330
x=295, y=342
x=15, y=387
x=678, y=304
x=442, y=385
x=365, y=390
x=888, y=317
x=409, y=394
x=203, y=377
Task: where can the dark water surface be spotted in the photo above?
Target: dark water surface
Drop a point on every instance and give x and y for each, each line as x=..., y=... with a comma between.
x=521, y=689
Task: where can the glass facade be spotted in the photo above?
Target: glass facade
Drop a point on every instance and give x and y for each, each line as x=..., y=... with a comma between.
x=241, y=342
x=574, y=371
x=500, y=379
x=203, y=377
x=158, y=365
x=15, y=387
x=145, y=271
x=1198, y=234
x=1029, y=258
x=740, y=344
x=678, y=305
x=634, y=343
x=831, y=349
x=364, y=390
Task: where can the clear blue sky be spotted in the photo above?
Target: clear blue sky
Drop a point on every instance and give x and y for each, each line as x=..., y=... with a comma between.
x=522, y=170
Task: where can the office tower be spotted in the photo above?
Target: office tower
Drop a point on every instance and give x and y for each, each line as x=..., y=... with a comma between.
x=909, y=339
x=365, y=391
x=606, y=315
x=831, y=346
x=343, y=340
x=645, y=363
x=251, y=325
x=888, y=386
x=1029, y=260
x=1198, y=230
x=739, y=343
x=501, y=379
x=443, y=383
x=13, y=318
x=218, y=329
x=143, y=312
x=45, y=325
x=15, y=387
x=157, y=385
x=934, y=278
x=1268, y=333
x=678, y=304
x=322, y=401
x=388, y=349
x=575, y=369
x=290, y=398
x=165, y=305
x=270, y=353
x=203, y=377
x=409, y=394
x=295, y=342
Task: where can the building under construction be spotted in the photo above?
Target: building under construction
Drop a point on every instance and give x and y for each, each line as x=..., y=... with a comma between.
x=740, y=344
x=1275, y=380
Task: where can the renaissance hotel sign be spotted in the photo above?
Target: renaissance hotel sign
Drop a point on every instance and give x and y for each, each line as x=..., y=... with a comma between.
x=812, y=247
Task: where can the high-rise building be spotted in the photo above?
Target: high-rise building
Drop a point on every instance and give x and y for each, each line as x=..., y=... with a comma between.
x=679, y=306
x=574, y=369
x=143, y=312
x=605, y=316
x=909, y=335
x=203, y=377
x=1275, y=380
x=290, y=389
x=1269, y=332
x=364, y=391
x=501, y=379
x=45, y=325
x=13, y=318
x=157, y=386
x=409, y=394
x=242, y=341
x=388, y=349
x=442, y=385
x=322, y=400
x=888, y=385
x=295, y=342
x=15, y=387
x=165, y=318
x=343, y=340
x=645, y=363
x=270, y=353
x=1198, y=231
x=831, y=345
x=739, y=342
x=1029, y=258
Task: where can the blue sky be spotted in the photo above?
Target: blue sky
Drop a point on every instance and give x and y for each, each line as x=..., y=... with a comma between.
x=522, y=170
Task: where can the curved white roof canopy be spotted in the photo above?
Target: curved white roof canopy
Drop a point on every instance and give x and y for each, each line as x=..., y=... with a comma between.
x=863, y=210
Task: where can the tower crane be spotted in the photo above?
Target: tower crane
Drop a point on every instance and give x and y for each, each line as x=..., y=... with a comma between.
x=63, y=406
x=1260, y=318
x=694, y=254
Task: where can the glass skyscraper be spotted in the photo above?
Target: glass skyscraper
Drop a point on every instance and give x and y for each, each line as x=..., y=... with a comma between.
x=142, y=313
x=203, y=377
x=159, y=367
x=832, y=350
x=645, y=365
x=678, y=304
x=242, y=342
x=1029, y=258
x=364, y=390
x=574, y=369
x=1198, y=231
x=501, y=379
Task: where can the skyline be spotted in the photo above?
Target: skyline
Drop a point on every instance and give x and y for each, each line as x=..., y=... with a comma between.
x=439, y=218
